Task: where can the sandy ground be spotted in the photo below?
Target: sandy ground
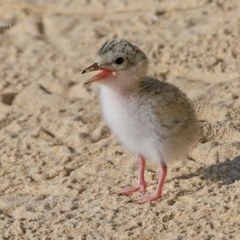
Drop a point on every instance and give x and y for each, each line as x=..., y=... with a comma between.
x=60, y=166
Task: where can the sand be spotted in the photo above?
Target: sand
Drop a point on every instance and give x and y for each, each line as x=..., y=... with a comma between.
x=60, y=165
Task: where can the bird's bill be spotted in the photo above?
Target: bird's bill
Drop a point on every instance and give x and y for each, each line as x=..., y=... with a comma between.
x=99, y=76
x=93, y=67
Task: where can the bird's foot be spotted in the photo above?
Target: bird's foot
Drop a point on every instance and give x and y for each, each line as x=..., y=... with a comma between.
x=148, y=198
x=132, y=189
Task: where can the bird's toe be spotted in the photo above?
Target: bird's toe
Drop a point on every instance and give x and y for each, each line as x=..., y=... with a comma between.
x=148, y=198
x=131, y=189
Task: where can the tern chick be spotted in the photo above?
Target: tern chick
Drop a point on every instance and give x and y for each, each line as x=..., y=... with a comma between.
x=151, y=118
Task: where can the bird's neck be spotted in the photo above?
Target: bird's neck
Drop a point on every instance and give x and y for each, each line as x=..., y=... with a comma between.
x=121, y=83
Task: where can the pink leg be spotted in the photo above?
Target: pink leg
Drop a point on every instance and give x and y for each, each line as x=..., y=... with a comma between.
x=141, y=186
x=162, y=173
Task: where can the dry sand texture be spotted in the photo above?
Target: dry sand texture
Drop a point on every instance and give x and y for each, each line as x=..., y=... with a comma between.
x=59, y=163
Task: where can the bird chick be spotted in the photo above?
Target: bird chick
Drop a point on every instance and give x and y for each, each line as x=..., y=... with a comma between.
x=151, y=118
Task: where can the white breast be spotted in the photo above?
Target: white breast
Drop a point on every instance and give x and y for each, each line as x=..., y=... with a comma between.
x=131, y=125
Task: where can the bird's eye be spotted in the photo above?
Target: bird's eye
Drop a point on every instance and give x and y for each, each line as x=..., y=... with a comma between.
x=119, y=60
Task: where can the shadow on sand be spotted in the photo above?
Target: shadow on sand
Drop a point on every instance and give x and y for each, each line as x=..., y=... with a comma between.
x=225, y=173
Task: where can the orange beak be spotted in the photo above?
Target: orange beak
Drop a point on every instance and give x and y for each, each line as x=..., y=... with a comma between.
x=99, y=76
